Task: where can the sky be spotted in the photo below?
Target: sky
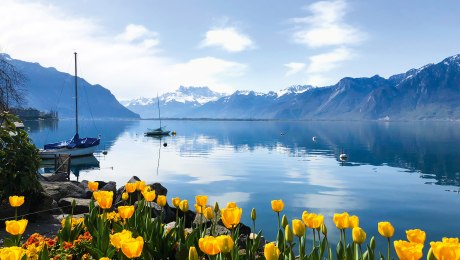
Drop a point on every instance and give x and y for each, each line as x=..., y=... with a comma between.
x=144, y=47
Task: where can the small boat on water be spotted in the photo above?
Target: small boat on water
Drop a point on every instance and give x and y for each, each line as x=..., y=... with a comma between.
x=75, y=146
x=157, y=131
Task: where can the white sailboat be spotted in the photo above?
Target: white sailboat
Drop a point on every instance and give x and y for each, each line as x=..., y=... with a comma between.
x=75, y=146
x=157, y=131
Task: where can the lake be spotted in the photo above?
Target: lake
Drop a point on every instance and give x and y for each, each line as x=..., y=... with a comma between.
x=407, y=173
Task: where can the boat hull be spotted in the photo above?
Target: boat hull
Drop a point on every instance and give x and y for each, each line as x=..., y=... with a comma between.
x=76, y=152
x=157, y=133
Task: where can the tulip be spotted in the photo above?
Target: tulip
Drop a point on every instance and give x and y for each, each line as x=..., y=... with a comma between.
x=231, y=216
x=271, y=251
x=277, y=205
x=104, y=198
x=149, y=195
x=312, y=220
x=342, y=220
x=288, y=236
x=225, y=243
x=201, y=200
x=198, y=209
x=93, y=185
x=298, y=227
x=16, y=201
x=408, y=250
x=216, y=207
x=130, y=187
x=446, y=249
x=324, y=229
x=416, y=236
x=192, y=253
x=208, y=213
x=253, y=214
x=358, y=234
x=140, y=185
x=231, y=204
x=386, y=229
x=209, y=245
x=183, y=205
x=13, y=253
x=124, y=196
x=175, y=201
x=161, y=200
x=132, y=247
x=104, y=258
x=16, y=227
x=354, y=221
x=284, y=221
x=117, y=238
x=126, y=211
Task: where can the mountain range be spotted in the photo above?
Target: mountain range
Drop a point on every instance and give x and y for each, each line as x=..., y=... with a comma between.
x=431, y=92
x=49, y=89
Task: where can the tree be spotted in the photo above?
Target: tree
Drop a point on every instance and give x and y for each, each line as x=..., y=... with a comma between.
x=11, y=85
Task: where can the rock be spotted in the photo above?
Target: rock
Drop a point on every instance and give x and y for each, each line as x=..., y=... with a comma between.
x=81, y=205
x=58, y=176
x=159, y=189
x=134, y=179
x=43, y=203
x=59, y=190
x=110, y=186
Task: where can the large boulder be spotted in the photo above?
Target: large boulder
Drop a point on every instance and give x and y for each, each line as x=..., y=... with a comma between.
x=59, y=190
x=81, y=205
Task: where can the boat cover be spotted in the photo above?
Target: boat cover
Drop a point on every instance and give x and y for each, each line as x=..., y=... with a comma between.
x=75, y=142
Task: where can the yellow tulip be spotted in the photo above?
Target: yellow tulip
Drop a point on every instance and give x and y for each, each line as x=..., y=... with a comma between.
x=298, y=227
x=453, y=244
x=416, y=236
x=140, y=185
x=209, y=245
x=183, y=205
x=231, y=216
x=161, y=200
x=93, y=185
x=225, y=243
x=284, y=221
x=408, y=250
x=192, y=253
x=231, y=204
x=198, y=209
x=386, y=229
x=271, y=252
x=312, y=220
x=132, y=247
x=359, y=236
x=208, y=213
x=149, y=195
x=126, y=211
x=104, y=258
x=130, y=187
x=277, y=205
x=117, y=238
x=12, y=253
x=16, y=201
x=342, y=220
x=124, y=196
x=201, y=200
x=104, y=198
x=253, y=214
x=16, y=227
x=175, y=201
x=353, y=221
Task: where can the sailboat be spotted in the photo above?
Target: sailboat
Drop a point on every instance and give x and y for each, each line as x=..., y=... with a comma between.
x=75, y=146
x=157, y=131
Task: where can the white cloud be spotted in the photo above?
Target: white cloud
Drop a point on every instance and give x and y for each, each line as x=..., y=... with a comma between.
x=294, y=68
x=328, y=61
x=325, y=26
x=128, y=63
x=227, y=38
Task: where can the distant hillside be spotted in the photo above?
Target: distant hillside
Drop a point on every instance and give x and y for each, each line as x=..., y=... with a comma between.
x=49, y=89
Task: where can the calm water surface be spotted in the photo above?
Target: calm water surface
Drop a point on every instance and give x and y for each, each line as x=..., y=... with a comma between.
x=405, y=173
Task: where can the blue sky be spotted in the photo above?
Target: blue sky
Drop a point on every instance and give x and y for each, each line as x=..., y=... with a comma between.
x=140, y=48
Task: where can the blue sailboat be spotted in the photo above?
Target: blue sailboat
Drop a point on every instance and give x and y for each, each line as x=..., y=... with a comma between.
x=75, y=146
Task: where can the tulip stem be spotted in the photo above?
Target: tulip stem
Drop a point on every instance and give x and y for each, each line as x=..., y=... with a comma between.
x=15, y=213
x=314, y=239
x=279, y=222
x=389, y=248
x=360, y=249
x=345, y=242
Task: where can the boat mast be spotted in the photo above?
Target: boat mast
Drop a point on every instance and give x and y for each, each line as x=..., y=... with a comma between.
x=159, y=117
x=76, y=96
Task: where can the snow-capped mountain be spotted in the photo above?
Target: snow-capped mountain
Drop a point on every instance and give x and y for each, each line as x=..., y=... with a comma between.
x=173, y=104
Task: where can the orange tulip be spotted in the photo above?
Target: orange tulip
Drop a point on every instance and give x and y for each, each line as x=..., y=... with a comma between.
x=126, y=211
x=231, y=204
x=16, y=227
x=16, y=201
x=130, y=187
x=277, y=205
x=132, y=247
x=231, y=216
x=93, y=185
x=104, y=198
x=209, y=245
x=117, y=238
